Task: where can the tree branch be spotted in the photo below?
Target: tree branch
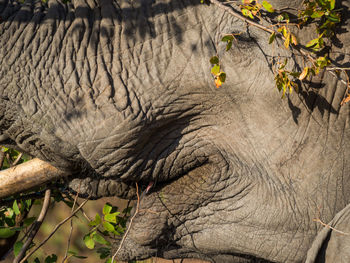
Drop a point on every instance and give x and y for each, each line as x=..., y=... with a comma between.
x=71, y=228
x=2, y=158
x=230, y=11
x=26, y=176
x=53, y=231
x=36, y=226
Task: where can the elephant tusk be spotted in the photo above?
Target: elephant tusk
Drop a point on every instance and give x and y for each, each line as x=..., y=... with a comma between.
x=26, y=176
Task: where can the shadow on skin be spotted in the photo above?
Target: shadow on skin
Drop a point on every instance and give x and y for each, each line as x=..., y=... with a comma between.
x=136, y=18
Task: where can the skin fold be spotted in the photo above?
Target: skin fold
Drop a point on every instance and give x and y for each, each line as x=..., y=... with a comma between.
x=119, y=92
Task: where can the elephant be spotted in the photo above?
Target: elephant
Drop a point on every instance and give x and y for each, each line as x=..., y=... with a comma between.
x=119, y=94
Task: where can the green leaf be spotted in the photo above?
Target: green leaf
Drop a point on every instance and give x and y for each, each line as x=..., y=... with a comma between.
x=127, y=210
x=214, y=60
x=17, y=248
x=89, y=242
x=100, y=239
x=108, y=226
x=247, y=13
x=28, y=221
x=16, y=208
x=19, y=228
x=272, y=37
x=112, y=217
x=322, y=62
x=222, y=77
x=285, y=17
x=229, y=45
x=215, y=70
x=28, y=203
x=119, y=230
x=107, y=209
x=4, y=149
x=321, y=2
x=312, y=42
x=75, y=254
x=10, y=221
x=332, y=4
x=268, y=6
x=104, y=252
x=6, y=232
x=333, y=17
x=96, y=222
x=295, y=74
x=227, y=39
x=51, y=259
x=317, y=14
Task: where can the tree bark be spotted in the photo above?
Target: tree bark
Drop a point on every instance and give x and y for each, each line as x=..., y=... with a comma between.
x=27, y=176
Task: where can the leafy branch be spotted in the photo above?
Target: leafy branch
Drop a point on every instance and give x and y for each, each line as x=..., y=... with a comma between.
x=321, y=12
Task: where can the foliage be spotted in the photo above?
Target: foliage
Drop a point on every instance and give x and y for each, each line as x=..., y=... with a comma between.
x=9, y=224
x=10, y=157
x=108, y=225
x=323, y=13
x=252, y=8
x=10, y=215
x=14, y=220
x=219, y=75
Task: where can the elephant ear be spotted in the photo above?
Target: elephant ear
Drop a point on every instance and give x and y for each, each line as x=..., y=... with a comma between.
x=332, y=244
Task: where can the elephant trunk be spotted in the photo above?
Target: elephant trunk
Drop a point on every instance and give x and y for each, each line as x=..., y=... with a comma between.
x=27, y=176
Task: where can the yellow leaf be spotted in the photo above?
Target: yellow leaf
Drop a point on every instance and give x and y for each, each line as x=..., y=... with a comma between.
x=347, y=99
x=294, y=39
x=284, y=31
x=287, y=41
x=304, y=74
x=215, y=70
x=254, y=12
x=268, y=6
x=218, y=82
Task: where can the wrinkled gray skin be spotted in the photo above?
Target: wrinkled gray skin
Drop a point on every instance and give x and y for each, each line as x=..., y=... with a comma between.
x=121, y=92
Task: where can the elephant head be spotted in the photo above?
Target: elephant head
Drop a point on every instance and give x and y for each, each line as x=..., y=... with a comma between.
x=120, y=92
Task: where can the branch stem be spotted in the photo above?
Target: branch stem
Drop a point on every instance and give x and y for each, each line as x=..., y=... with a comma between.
x=36, y=226
x=54, y=231
x=230, y=11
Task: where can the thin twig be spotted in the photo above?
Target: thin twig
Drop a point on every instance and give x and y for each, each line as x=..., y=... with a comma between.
x=326, y=225
x=9, y=159
x=36, y=226
x=2, y=158
x=132, y=218
x=54, y=231
x=337, y=68
x=149, y=211
x=71, y=228
x=17, y=159
x=229, y=10
x=248, y=21
x=82, y=210
x=340, y=79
